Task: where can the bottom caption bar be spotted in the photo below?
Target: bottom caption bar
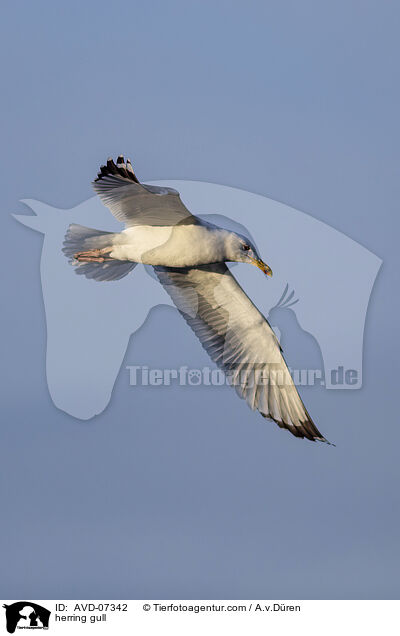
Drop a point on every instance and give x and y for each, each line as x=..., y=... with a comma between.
x=148, y=617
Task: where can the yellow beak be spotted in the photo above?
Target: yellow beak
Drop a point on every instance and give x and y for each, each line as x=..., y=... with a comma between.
x=263, y=266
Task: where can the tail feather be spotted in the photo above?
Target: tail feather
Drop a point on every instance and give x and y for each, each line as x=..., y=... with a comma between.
x=80, y=239
x=111, y=270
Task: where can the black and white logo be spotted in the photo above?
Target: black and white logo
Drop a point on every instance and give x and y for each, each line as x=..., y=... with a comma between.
x=26, y=615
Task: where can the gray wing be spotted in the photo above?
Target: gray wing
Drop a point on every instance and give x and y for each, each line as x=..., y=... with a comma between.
x=135, y=203
x=240, y=341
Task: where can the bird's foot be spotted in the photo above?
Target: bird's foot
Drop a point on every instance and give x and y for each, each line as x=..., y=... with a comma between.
x=94, y=256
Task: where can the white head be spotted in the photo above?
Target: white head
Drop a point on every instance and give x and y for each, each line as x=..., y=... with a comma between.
x=240, y=249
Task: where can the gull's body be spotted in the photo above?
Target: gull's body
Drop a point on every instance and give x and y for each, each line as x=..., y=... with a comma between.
x=189, y=258
x=172, y=246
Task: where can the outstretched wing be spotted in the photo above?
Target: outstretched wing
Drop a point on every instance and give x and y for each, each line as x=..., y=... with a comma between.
x=135, y=203
x=240, y=341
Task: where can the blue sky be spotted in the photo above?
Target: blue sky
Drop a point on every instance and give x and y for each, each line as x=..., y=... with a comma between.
x=188, y=495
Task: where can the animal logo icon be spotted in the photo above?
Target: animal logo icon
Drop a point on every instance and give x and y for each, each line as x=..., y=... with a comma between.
x=194, y=377
x=25, y=614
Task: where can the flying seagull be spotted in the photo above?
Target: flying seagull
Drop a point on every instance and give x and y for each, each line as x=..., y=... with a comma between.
x=189, y=257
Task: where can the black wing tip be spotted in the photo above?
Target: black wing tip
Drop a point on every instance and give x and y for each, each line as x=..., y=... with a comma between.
x=121, y=169
x=305, y=432
x=323, y=439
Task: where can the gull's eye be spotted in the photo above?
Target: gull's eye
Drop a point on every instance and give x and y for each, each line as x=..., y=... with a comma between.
x=246, y=248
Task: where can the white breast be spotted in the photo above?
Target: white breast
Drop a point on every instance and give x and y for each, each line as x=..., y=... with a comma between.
x=176, y=246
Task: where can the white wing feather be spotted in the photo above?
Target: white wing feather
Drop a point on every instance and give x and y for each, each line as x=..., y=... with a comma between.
x=135, y=203
x=240, y=341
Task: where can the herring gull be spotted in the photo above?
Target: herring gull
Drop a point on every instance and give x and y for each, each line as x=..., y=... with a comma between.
x=189, y=257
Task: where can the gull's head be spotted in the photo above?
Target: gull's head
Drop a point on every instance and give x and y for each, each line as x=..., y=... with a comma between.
x=242, y=250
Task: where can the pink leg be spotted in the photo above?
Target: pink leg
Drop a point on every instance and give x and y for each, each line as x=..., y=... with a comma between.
x=94, y=256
